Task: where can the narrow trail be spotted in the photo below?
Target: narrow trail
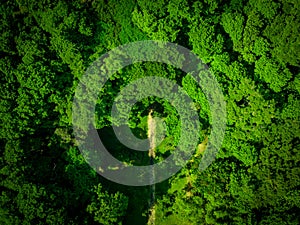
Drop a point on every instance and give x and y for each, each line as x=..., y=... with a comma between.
x=151, y=136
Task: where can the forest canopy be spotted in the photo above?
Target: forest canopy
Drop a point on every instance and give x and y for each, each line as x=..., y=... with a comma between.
x=251, y=47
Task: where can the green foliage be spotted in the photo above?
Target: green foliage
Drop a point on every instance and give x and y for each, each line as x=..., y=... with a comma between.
x=251, y=47
x=280, y=76
x=107, y=208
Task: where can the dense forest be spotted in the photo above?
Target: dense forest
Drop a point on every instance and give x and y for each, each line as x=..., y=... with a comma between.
x=252, y=47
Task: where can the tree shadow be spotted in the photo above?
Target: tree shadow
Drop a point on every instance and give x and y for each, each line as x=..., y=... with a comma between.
x=139, y=197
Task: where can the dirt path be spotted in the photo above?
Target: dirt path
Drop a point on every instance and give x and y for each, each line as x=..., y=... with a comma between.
x=151, y=136
x=151, y=133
